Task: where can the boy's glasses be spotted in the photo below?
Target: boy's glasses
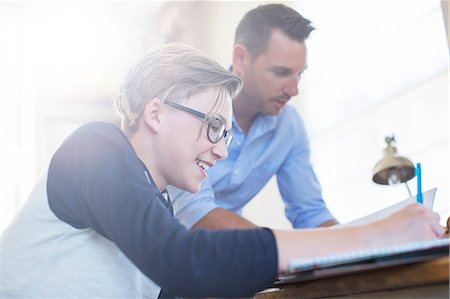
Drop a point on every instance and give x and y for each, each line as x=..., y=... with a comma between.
x=216, y=126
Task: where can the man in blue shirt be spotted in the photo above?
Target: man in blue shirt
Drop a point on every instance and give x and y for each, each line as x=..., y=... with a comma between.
x=269, y=135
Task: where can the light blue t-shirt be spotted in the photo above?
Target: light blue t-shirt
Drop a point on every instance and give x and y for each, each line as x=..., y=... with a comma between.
x=275, y=145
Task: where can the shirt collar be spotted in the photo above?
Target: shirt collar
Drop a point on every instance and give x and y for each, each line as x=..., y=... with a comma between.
x=261, y=125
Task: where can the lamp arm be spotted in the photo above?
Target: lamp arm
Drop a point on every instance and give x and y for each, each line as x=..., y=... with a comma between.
x=407, y=187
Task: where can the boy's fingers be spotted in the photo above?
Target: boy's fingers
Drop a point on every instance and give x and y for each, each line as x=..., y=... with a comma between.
x=438, y=229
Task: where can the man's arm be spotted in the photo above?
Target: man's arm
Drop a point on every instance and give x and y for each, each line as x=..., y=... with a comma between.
x=220, y=218
x=223, y=219
x=297, y=181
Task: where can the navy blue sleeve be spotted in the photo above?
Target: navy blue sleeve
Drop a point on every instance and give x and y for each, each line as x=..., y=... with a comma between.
x=96, y=180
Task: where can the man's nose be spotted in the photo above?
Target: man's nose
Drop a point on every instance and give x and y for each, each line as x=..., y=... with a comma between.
x=291, y=87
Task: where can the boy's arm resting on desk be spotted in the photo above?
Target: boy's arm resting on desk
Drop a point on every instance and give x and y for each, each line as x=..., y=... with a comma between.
x=411, y=224
x=220, y=218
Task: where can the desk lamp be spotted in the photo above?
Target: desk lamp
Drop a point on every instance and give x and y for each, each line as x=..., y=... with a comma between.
x=393, y=169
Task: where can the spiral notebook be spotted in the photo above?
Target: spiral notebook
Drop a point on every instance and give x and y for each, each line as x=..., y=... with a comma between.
x=358, y=261
x=364, y=260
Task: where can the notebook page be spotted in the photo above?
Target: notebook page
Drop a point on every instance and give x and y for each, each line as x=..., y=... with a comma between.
x=428, y=201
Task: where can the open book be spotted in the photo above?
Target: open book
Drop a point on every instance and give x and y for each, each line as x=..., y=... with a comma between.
x=363, y=260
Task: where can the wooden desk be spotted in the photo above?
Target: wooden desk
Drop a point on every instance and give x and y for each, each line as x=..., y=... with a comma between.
x=422, y=280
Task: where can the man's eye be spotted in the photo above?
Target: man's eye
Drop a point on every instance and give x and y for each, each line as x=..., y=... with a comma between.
x=281, y=73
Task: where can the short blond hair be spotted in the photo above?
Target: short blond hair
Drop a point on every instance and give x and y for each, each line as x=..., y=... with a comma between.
x=171, y=71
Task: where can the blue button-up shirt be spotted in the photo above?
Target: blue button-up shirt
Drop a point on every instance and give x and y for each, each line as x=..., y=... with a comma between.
x=275, y=145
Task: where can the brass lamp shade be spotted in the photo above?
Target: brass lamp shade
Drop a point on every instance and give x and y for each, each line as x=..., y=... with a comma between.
x=392, y=169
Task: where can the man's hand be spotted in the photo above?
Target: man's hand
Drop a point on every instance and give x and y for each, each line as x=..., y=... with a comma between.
x=223, y=219
x=328, y=223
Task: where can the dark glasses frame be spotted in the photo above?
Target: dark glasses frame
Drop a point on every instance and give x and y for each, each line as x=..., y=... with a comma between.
x=227, y=135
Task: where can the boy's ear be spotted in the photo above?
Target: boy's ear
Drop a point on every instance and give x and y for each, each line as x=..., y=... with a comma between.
x=241, y=59
x=152, y=113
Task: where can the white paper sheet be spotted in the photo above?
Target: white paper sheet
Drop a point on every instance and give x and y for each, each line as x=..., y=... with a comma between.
x=428, y=201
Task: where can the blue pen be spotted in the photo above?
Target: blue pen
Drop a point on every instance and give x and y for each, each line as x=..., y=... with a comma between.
x=419, y=183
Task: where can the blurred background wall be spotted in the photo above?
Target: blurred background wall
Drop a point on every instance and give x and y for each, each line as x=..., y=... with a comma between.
x=375, y=68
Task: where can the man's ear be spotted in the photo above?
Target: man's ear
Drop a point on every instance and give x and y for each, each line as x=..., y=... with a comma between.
x=241, y=59
x=152, y=114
